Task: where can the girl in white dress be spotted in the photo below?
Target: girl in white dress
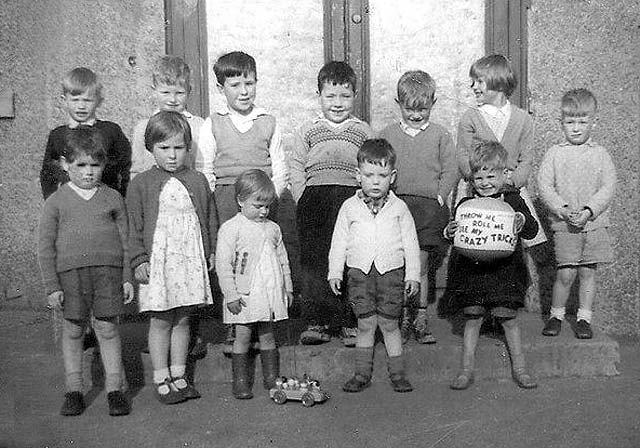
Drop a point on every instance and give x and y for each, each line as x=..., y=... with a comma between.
x=172, y=232
x=254, y=276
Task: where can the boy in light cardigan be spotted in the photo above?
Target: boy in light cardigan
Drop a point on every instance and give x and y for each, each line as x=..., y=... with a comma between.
x=376, y=238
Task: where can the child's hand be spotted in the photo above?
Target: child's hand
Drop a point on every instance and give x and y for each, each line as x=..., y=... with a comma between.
x=566, y=213
x=141, y=272
x=336, y=285
x=411, y=288
x=236, y=306
x=55, y=300
x=518, y=222
x=289, y=299
x=579, y=219
x=212, y=262
x=129, y=292
x=451, y=229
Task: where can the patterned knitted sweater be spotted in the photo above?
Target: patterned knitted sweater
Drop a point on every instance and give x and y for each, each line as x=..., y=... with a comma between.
x=326, y=155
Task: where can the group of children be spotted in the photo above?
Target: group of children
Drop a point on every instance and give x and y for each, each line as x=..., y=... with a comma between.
x=372, y=216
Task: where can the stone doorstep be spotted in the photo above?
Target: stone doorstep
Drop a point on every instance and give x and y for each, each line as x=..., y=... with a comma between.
x=562, y=356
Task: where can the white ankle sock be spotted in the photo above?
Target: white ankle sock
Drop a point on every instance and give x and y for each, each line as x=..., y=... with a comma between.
x=178, y=371
x=558, y=312
x=584, y=314
x=160, y=375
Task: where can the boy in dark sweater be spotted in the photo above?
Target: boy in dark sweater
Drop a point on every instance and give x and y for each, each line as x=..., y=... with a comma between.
x=427, y=172
x=82, y=250
x=81, y=96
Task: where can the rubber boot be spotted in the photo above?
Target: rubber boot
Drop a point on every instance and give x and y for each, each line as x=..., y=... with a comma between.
x=270, y=367
x=397, y=374
x=241, y=382
x=364, y=367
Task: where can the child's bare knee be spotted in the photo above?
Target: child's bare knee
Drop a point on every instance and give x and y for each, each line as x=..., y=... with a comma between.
x=105, y=329
x=367, y=324
x=387, y=325
x=74, y=330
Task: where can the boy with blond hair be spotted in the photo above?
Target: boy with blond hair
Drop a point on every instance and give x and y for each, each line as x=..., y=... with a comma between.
x=576, y=181
x=427, y=172
x=171, y=85
x=81, y=97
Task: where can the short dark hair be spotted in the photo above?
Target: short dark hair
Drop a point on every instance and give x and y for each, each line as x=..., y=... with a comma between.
x=496, y=71
x=255, y=181
x=578, y=103
x=85, y=140
x=489, y=155
x=236, y=63
x=377, y=151
x=416, y=90
x=164, y=125
x=337, y=73
x=172, y=71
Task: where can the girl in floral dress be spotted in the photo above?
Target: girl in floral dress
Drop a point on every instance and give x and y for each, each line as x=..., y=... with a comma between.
x=254, y=276
x=173, y=227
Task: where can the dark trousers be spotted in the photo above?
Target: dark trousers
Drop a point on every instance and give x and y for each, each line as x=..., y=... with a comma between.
x=316, y=217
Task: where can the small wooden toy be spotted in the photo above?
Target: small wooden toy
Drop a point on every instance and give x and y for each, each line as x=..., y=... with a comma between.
x=305, y=390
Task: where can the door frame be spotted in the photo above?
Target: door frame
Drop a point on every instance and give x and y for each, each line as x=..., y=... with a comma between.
x=346, y=31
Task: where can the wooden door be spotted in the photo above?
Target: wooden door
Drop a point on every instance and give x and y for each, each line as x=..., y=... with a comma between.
x=346, y=31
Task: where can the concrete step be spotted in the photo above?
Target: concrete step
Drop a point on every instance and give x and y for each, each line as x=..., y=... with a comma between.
x=561, y=356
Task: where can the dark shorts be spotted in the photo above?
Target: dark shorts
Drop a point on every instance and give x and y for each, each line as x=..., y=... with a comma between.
x=478, y=311
x=375, y=293
x=430, y=219
x=93, y=290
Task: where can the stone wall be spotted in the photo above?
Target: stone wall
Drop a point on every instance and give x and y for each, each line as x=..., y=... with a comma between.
x=39, y=41
x=594, y=44
x=573, y=43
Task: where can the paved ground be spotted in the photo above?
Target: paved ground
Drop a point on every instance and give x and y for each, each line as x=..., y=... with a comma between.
x=567, y=412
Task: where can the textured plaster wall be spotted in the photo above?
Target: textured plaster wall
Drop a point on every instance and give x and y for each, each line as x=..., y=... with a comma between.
x=39, y=41
x=594, y=44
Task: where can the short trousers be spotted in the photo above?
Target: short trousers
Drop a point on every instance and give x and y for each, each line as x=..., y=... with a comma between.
x=93, y=290
x=375, y=293
x=583, y=248
x=430, y=219
x=477, y=311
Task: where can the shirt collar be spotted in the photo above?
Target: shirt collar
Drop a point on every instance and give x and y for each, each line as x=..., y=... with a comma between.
x=374, y=205
x=74, y=124
x=496, y=112
x=188, y=115
x=412, y=131
x=255, y=113
x=321, y=118
x=590, y=143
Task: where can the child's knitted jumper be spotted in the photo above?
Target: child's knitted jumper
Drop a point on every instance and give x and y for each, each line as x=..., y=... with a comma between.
x=76, y=233
x=326, y=155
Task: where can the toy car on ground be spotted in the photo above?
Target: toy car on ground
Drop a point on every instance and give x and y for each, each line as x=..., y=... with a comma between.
x=306, y=390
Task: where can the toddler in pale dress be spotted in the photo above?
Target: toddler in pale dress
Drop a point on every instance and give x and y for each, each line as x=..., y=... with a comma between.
x=254, y=276
x=173, y=226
